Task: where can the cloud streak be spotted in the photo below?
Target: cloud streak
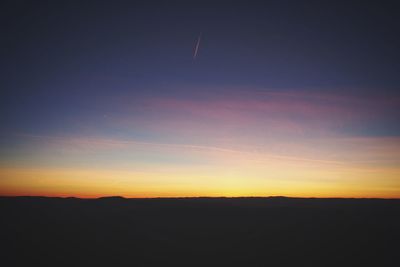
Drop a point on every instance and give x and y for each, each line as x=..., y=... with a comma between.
x=362, y=150
x=273, y=114
x=196, y=49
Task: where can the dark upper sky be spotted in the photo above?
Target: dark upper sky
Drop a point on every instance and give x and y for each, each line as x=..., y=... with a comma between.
x=60, y=55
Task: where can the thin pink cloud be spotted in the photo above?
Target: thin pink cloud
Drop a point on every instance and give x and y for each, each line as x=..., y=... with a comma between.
x=246, y=114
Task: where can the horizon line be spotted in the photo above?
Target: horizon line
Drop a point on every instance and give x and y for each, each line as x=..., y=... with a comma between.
x=191, y=197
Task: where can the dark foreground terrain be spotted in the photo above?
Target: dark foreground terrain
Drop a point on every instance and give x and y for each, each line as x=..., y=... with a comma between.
x=277, y=231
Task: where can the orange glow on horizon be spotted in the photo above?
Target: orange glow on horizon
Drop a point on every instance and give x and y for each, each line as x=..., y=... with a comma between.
x=99, y=183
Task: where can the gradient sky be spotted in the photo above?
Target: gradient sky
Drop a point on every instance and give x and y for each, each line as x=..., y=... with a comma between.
x=283, y=98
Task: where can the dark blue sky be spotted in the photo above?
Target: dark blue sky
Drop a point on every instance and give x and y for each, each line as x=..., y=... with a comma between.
x=58, y=57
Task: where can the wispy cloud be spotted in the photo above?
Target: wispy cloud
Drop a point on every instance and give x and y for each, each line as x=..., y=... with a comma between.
x=254, y=114
x=338, y=151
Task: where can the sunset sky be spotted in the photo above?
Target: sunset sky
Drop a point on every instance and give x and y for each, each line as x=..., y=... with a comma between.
x=281, y=98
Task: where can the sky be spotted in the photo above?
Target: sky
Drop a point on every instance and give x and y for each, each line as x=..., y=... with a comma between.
x=293, y=98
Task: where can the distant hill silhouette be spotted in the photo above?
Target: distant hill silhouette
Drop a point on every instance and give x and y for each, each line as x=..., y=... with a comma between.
x=111, y=198
x=254, y=231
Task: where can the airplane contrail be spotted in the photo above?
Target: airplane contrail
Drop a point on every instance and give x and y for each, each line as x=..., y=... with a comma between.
x=196, y=49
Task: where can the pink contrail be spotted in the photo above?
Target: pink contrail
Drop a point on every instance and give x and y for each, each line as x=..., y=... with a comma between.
x=197, y=47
